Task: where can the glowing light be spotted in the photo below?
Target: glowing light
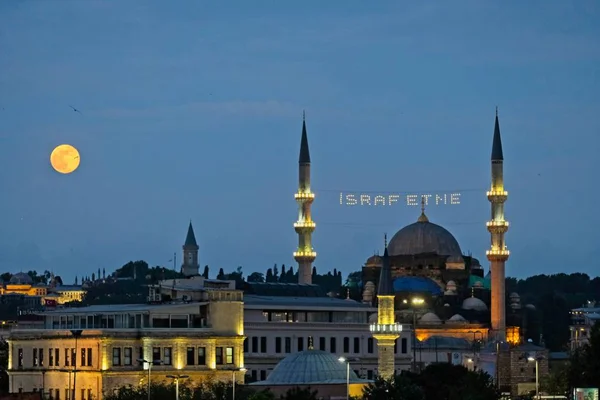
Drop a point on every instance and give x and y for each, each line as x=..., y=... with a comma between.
x=65, y=159
x=305, y=254
x=383, y=328
x=497, y=253
x=305, y=224
x=411, y=200
x=417, y=301
x=304, y=195
x=497, y=223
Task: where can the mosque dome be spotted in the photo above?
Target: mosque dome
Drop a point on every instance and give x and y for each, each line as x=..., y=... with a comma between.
x=530, y=307
x=416, y=284
x=457, y=318
x=310, y=367
x=475, y=304
x=424, y=237
x=374, y=261
x=430, y=318
x=21, y=278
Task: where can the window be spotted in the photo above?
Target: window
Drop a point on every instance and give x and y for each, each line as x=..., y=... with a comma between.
x=322, y=344
x=246, y=345
x=300, y=344
x=35, y=358
x=396, y=346
x=56, y=357
x=41, y=354
x=82, y=394
x=20, y=357
x=229, y=355
x=263, y=374
x=404, y=344
x=168, y=354
x=73, y=358
x=263, y=344
x=201, y=355
x=50, y=357
x=83, y=353
x=346, y=345
x=332, y=348
x=127, y=356
x=277, y=345
x=370, y=346
x=254, y=344
x=89, y=358
x=191, y=356
x=67, y=357
x=156, y=355
x=288, y=344
x=116, y=356
x=89, y=392
x=356, y=345
x=219, y=355
x=370, y=374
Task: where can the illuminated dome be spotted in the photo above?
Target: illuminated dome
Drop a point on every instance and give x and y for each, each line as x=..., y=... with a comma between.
x=475, y=304
x=424, y=237
x=21, y=279
x=416, y=284
x=457, y=318
x=430, y=318
x=310, y=367
x=374, y=261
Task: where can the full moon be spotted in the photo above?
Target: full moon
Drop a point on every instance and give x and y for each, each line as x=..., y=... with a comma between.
x=65, y=159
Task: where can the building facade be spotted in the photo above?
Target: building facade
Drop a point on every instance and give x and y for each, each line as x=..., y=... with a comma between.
x=85, y=353
x=582, y=321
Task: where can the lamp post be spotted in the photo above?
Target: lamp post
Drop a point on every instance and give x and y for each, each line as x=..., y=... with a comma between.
x=150, y=363
x=344, y=360
x=416, y=301
x=76, y=334
x=530, y=358
x=233, y=381
x=176, y=379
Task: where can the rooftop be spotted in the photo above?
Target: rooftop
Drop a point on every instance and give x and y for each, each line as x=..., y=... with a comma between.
x=284, y=289
x=317, y=303
x=116, y=308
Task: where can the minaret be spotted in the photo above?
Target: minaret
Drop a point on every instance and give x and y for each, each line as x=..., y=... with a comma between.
x=305, y=254
x=498, y=226
x=190, y=254
x=386, y=330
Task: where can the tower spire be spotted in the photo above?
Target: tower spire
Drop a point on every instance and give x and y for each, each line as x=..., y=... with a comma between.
x=190, y=266
x=423, y=217
x=498, y=253
x=304, y=226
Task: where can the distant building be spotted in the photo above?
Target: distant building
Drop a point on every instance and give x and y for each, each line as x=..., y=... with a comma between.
x=21, y=291
x=582, y=321
x=94, y=350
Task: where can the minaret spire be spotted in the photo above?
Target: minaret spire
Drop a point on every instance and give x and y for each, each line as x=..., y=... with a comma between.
x=304, y=226
x=386, y=330
x=190, y=265
x=498, y=226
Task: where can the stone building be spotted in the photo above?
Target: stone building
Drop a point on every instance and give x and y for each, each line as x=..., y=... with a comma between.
x=85, y=353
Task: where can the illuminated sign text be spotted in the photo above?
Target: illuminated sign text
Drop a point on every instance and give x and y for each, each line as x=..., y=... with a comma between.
x=393, y=199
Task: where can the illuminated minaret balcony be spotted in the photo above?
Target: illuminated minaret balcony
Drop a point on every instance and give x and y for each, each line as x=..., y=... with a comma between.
x=383, y=329
x=304, y=226
x=497, y=255
x=497, y=196
x=305, y=255
x=497, y=226
x=304, y=196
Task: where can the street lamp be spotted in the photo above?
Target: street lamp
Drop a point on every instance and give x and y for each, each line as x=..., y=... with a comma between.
x=150, y=363
x=347, y=361
x=531, y=358
x=233, y=381
x=176, y=378
x=416, y=302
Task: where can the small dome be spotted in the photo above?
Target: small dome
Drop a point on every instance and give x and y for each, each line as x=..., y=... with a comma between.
x=416, y=284
x=370, y=286
x=310, y=367
x=457, y=318
x=475, y=304
x=374, y=261
x=478, y=284
x=430, y=318
x=530, y=307
x=21, y=278
x=451, y=285
x=423, y=237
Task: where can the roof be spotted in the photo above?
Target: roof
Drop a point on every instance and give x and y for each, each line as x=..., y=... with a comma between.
x=284, y=289
x=304, y=152
x=424, y=237
x=315, y=303
x=67, y=288
x=486, y=282
x=190, y=239
x=116, y=308
x=445, y=342
x=310, y=367
x=417, y=284
x=497, y=154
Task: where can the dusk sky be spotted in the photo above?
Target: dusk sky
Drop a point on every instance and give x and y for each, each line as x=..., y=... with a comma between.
x=193, y=110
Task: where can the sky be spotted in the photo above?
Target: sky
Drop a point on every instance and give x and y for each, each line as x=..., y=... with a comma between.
x=193, y=111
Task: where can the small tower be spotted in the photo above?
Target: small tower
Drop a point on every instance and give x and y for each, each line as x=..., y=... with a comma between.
x=386, y=330
x=304, y=226
x=497, y=226
x=190, y=254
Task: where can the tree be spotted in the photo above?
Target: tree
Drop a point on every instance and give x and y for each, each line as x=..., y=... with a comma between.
x=256, y=277
x=221, y=274
x=455, y=382
x=269, y=277
x=283, y=275
x=557, y=382
x=301, y=394
x=584, y=370
x=205, y=273
x=400, y=387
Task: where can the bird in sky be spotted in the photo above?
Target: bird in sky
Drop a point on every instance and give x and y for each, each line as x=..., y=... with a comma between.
x=74, y=109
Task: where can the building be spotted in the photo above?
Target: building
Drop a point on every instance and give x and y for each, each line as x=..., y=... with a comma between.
x=92, y=351
x=439, y=289
x=332, y=377
x=582, y=321
x=25, y=294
